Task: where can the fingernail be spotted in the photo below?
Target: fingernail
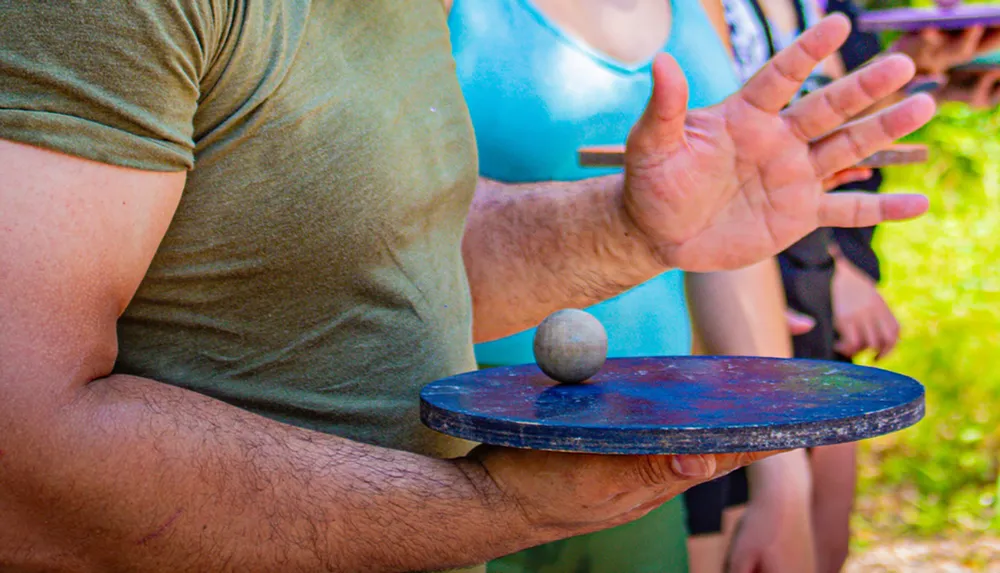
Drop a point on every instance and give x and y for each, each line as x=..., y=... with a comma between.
x=689, y=466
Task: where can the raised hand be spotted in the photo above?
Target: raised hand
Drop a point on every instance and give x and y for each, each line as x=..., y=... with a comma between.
x=730, y=185
x=935, y=51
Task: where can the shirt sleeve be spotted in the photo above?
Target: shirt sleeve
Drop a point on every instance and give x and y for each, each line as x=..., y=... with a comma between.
x=115, y=81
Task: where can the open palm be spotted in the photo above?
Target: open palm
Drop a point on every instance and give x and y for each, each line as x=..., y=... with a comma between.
x=729, y=185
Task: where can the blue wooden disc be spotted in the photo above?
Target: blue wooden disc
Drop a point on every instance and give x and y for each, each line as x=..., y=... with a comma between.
x=678, y=405
x=913, y=19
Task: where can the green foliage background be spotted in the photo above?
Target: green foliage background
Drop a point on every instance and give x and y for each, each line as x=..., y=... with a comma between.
x=942, y=277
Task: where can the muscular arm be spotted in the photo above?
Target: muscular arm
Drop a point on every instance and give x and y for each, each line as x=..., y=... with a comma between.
x=535, y=248
x=102, y=472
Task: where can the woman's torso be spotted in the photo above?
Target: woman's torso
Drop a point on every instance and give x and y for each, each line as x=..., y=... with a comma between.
x=536, y=94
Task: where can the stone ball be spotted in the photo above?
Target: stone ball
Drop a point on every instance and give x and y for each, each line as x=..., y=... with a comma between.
x=570, y=346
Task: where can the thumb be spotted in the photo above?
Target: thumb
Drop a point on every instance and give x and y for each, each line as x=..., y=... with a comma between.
x=799, y=323
x=661, y=127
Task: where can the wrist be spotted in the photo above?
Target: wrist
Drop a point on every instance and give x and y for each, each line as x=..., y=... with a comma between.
x=646, y=251
x=513, y=527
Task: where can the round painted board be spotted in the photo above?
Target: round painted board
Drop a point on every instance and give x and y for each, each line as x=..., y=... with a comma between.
x=675, y=405
x=913, y=19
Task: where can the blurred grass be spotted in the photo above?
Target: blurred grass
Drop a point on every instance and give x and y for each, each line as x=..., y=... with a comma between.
x=942, y=277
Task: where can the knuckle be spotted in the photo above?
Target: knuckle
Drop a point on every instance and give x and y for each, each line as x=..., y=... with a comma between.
x=654, y=470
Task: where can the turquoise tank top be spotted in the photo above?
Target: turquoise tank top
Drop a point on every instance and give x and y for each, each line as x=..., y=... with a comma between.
x=536, y=95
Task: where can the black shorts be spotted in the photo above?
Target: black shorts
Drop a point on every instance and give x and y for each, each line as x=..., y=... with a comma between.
x=807, y=271
x=706, y=503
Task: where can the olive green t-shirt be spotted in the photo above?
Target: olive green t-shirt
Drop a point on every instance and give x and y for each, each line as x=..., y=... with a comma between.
x=313, y=270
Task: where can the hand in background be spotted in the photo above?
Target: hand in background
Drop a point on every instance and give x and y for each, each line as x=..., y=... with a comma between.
x=979, y=89
x=861, y=316
x=934, y=51
x=799, y=323
x=775, y=532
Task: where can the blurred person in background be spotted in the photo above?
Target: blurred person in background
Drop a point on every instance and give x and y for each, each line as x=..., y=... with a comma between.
x=545, y=77
x=831, y=276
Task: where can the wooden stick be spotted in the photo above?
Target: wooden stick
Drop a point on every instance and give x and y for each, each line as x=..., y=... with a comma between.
x=900, y=154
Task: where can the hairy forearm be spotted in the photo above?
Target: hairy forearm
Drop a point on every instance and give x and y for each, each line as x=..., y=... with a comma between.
x=534, y=248
x=741, y=312
x=127, y=474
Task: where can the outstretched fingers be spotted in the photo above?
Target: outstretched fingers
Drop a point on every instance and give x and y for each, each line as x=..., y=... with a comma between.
x=990, y=41
x=847, y=146
x=824, y=110
x=860, y=209
x=771, y=88
x=970, y=41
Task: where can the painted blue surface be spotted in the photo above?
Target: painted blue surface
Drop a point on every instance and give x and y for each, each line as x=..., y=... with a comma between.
x=913, y=19
x=536, y=95
x=676, y=405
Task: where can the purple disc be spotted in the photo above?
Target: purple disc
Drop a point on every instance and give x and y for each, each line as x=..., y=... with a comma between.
x=677, y=405
x=913, y=19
